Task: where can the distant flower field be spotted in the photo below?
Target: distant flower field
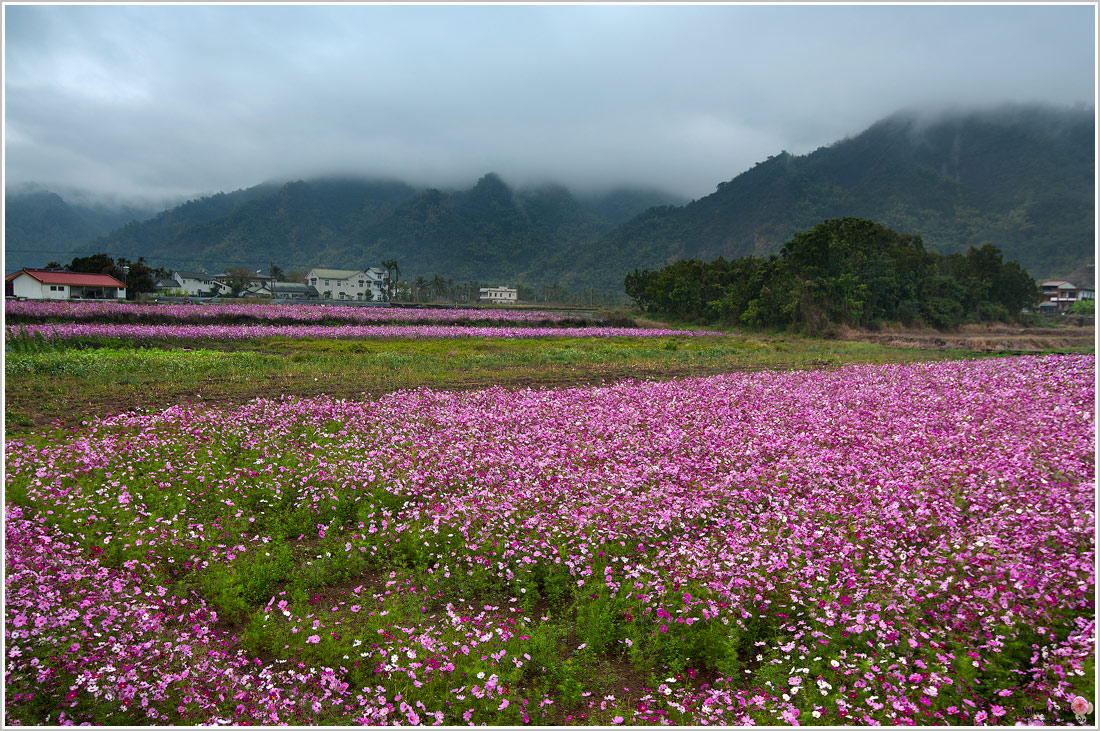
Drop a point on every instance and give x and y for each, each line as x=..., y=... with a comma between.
x=891, y=544
x=227, y=314
x=70, y=330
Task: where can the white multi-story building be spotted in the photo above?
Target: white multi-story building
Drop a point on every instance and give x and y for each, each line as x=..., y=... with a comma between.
x=498, y=294
x=199, y=284
x=362, y=285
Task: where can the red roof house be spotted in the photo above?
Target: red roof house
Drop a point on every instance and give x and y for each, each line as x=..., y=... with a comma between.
x=50, y=284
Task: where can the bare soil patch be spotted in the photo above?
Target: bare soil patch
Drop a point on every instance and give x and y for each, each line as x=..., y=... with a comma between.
x=993, y=338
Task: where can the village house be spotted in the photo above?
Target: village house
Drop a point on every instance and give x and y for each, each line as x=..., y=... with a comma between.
x=1060, y=296
x=282, y=290
x=51, y=284
x=199, y=284
x=502, y=295
x=165, y=287
x=257, y=277
x=362, y=285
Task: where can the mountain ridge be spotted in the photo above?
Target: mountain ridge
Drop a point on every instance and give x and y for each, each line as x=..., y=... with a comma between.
x=1022, y=181
x=1019, y=177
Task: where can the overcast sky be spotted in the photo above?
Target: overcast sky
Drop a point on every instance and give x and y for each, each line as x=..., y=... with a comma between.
x=182, y=100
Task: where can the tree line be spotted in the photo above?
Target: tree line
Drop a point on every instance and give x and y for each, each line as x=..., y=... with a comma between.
x=138, y=276
x=848, y=271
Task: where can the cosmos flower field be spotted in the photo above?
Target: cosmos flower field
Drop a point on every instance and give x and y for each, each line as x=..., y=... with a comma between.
x=142, y=333
x=139, y=323
x=899, y=544
x=253, y=313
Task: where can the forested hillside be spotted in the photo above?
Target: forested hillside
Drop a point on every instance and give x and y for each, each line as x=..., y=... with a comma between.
x=1020, y=178
x=489, y=232
x=39, y=223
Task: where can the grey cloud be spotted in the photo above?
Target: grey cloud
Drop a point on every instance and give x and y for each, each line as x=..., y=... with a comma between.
x=171, y=100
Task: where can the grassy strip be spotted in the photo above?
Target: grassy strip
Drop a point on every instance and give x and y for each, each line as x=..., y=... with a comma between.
x=69, y=382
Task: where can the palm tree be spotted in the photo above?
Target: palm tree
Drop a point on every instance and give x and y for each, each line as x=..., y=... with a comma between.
x=393, y=273
x=419, y=285
x=439, y=285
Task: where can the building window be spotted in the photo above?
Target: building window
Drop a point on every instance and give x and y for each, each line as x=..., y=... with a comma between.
x=326, y=283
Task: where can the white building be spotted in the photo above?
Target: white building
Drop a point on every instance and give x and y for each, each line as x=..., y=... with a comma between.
x=500, y=294
x=200, y=284
x=47, y=284
x=362, y=285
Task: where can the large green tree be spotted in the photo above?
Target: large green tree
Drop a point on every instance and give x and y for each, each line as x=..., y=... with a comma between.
x=137, y=275
x=140, y=277
x=238, y=279
x=847, y=271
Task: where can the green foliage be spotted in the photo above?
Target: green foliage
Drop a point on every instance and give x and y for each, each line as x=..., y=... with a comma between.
x=846, y=271
x=1083, y=307
x=140, y=277
x=96, y=264
x=238, y=278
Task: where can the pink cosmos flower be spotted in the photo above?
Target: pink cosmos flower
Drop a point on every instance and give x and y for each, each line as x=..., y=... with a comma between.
x=313, y=639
